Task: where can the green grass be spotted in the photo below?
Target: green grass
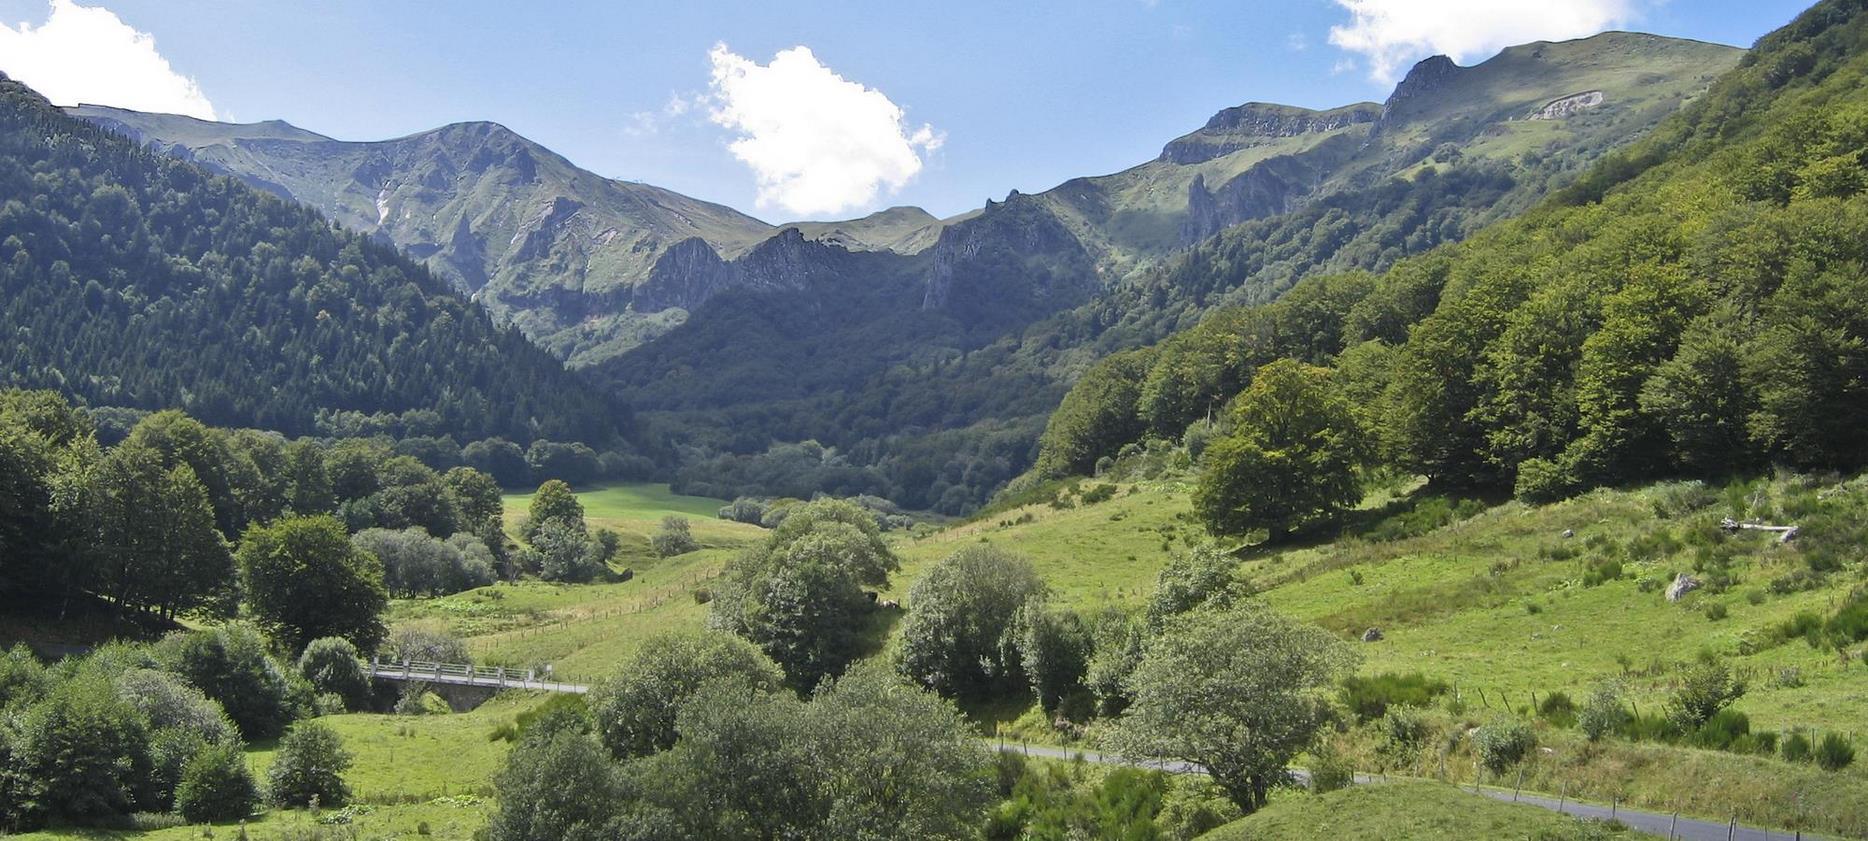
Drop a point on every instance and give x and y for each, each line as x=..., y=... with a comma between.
x=636, y=511
x=1393, y=812
x=584, y=630
x=1090, y=555
x=407, y=770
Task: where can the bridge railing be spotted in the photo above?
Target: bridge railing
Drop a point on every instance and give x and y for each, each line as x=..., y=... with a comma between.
x=493, y=676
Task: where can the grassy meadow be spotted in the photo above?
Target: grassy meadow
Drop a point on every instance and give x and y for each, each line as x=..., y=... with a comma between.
x=584, y=630
x=1491, y=597
x=408, y=773
x=1396, y=812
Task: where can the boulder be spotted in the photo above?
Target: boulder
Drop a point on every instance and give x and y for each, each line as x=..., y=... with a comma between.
x=1372, y=635
x=1682, y=585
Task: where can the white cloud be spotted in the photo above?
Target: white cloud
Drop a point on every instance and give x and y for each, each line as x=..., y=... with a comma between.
x=86, y=54
x=817, y=142
x=1394, y=33
x=645, y=123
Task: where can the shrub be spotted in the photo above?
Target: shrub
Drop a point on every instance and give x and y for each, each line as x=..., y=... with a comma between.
x=331, y=665
x=216, y=786
x=79, y=753
x=1370, y=697
x=1834, y=753
x=1796, y=748
x=1558, y=709
x=1100, y=493
x=22, y=678
x=1602, y=571
x=1850, y=624
x=231, y=666
x=417, y=642
x=1404, y=731
x=1330, y=772
x=1705, y=689
x=1193, y=807
x=1722, y=730
x=418, y=699
x=1502, y=744
x=1715, y=611
x=1604, y=713
x=673, y=538
x=1543, y=481
x=635, y=709
x=310, y=764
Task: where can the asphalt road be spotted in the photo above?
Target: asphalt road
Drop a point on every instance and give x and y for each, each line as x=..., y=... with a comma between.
x=1662, y=826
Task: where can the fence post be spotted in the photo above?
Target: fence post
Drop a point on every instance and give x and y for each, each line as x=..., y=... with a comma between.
x=1731, y=829
x=1672, y=824
x=1514, y=792
x=1563, y=798
x=1615, y=803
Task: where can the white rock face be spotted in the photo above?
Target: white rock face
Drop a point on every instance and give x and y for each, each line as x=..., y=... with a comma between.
x=1558, y=109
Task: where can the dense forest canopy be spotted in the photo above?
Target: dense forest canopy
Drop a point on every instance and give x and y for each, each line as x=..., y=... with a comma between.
x=1695, y=304
x=130, y=279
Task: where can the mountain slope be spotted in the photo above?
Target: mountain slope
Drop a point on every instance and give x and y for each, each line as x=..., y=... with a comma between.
x=131, y=279
x=1691, y=306
x=943, y=404
x=558, y=251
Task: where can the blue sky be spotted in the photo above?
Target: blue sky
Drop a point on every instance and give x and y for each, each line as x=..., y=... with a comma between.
x=965, y=101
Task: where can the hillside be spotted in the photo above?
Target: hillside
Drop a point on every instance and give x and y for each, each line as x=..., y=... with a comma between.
x=135, y=280
x=564, y=254
x=1690, y=307
x=931, y=377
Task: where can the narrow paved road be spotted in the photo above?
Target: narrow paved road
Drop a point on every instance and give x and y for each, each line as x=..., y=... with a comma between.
x=1664, y=826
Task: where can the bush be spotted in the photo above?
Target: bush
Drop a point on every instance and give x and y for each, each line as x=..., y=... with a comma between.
x=22, y=678
x=331, y=665
x=1370, y=697
x=1330, y=772
x=310, y=764
x=216, y=786
x=1502, y=744
x=1705, y=689
x=417, y=642
x=1558, y=709
x=673, y=538
x=1834, y=753
x=80, y=754
x=1404, y=731
x=1604, y=713
x=1715, y=611
x=1722, y=730
x=231, y=666
x=418, y=699
x=1100, y=493
x=1602, y=571
x=1796, y=748
x=1193, y=807
x=635, y=709
x=1543, y=481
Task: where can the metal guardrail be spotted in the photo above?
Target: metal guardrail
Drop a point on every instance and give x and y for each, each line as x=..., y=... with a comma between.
x=462, y=674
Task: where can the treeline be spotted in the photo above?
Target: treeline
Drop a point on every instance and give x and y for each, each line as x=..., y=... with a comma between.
x=156, y=523
x=138, y=730
x=1696, y=305
x=131, y=279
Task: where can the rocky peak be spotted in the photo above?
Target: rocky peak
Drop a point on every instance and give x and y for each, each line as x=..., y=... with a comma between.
x=1428, y=76
x=1244, y=125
